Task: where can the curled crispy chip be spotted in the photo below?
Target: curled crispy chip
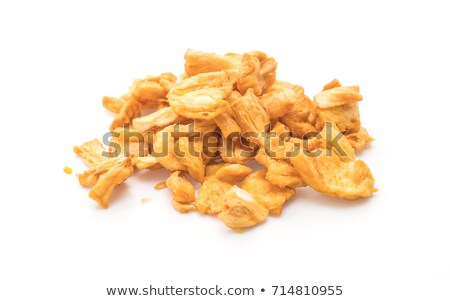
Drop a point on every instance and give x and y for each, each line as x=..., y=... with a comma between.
x=233, y=173
x=210, y=195
x=328, y=174
x=201, y=96
x=158, y=119
x=91, y=152
x=113, y=104
x=183, y=192
x=241, y=210
x=264, y=192
x=130, y=110
x=360, y=139
x=337, y=96
x=102, y=190
x=127, y=142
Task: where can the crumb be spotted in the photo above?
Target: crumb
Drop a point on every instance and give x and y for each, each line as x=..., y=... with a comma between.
x=68, y=170
x=160, y=185
x=145, y=200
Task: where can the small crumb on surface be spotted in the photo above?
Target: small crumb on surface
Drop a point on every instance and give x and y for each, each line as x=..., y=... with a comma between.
x=145, y=200
x=68, y=170
x=160, y=185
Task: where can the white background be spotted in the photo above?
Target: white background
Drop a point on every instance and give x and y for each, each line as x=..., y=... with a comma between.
x=59, y=58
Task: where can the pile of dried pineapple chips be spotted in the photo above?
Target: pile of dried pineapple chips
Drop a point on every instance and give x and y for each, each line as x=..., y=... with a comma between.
x=224, y=112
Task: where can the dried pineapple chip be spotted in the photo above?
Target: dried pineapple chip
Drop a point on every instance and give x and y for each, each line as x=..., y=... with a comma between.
x=279, y=172
x=227, y=122
x=212, y=168
x=333, y=84
x=202, y=96
x=257, y=72
x=332, y=176
x=157, y=120
x=210, y=195
x=332, y=139
x=90, y=177
x=249, y=114
x=183, y=192
x=190, y=155
x=280, y=98
x=102, y=190
x=264, y=192
x=301, y=118
x=359, y=139
x=164, y=149
x=92, y=153
x=152, y=89
x=130, y=110
x=147, y=162
x=197, y=62
x=113, y=104
x=233, y=173
x=337, y=96
x=241, y=210
x=346, y=117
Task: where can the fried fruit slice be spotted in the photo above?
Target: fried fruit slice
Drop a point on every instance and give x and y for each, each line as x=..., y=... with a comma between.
x=332, y=176
x=102, y=190
x=264, y=192
x=250, y=115
x=346, y=117
x=113, y=104
x=183, y=192
x=91, y=152
x=233, y=173
x=210, y=195
x=197, y=62
x=157, y=120
x=130, y=110
x=201, y=96
x=360, y=139
x=280, y=98
x=241, y=210
x=337, y=96
x=280, y=172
